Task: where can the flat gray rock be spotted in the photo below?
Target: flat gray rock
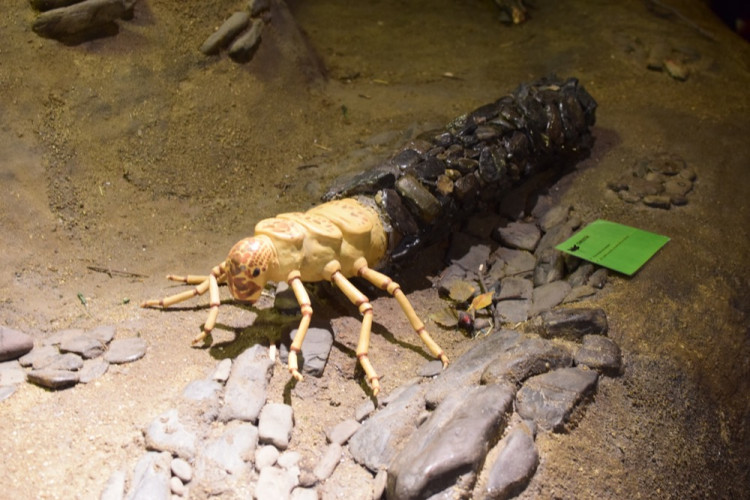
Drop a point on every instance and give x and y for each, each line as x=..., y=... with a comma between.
x=126, y=350
x=202, y=389
x=102, y=333
x=14, y=343
x=516, y=261
x=245, y=390
x=547, y=296
x=53, y=379
x=520, y=235
x=151, y=477
x=581, y=275
x=37, y=355
x=376, y=442
x=67, y=361
x=514, y=287
x=452, y=442
x=7, y=391
x=514, y=466
x=61, y=335
x=11, y=373
x=530, y=356
x=573, y=323
x=550, y=266
x=341, y=432
x=553, y=217
x=85, y=346
x=600, y=353
x=230, y=453
x=512, y=311
x=275, y=425
x=467, y=369
x=93, y=369
x=550, y=399
x=168, y=432
x=315, y=350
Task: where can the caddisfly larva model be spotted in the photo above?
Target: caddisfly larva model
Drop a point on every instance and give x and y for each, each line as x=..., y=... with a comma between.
x=388, y=213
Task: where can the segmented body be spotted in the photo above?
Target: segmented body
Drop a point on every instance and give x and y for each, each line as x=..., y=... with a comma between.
x=415, y=198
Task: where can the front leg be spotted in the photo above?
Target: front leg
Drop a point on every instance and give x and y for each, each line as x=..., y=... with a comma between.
x=295, y=281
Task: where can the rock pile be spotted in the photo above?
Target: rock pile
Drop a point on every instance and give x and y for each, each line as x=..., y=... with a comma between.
x=241, y=32
x=663, y=181
x=64, y=359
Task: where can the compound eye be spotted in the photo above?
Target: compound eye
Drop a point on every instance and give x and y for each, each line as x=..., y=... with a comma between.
x=256, y=272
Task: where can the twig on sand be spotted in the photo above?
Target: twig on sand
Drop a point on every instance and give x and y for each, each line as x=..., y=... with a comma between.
x=115, y=272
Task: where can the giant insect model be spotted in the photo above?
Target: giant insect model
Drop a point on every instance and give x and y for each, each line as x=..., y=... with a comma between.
x=390, y=212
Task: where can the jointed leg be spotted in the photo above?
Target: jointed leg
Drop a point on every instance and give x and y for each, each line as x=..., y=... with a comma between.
x=365, y=308
x=303, y=299
x=384, y=282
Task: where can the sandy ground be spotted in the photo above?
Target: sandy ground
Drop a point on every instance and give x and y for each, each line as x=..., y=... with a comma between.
x=139, y=154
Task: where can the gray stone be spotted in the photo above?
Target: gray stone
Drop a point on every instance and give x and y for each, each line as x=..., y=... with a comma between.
x=53, y=379
x=573, y=323
x=468, y=254
x=516, y=261
x=554, y=217
x=168, y=432
x=289, y=459
x=92, y=369
x=549, y=399
x=514, y=287
x=657, y=201
x=230, y=453
x=520, y=235
x=37, y=355
x=201, y=390
x=467, y=369
x=316, y=348
x=415, y=194
x=103, y=333
x=14, y=343
x=265, y=456
x=550, y=266
x=177, y=487
x=67, y=361
x=182, y=469
x=598, y=278
x=85, y=346
x=431, y=368
x=343, y=431
x=245, y=391
x=79, y=18
x=151, y=477
x=547, y=296
x=376, y=442
x=226, y=32
x=581, y=275
x=555, y=235
x=452, y=442
x=222, y=371
x=512, y=311
x=275, y=425
x=578, y=293
x=115, y=487
x=11, y=373
x=126, y=350
x=364, y=410
x=528, y=357
x=7, y=391
x=61, y=335
x=274, y=484
x=514, y=466
x=328, y=462
x=245, y=44
x=600, y=353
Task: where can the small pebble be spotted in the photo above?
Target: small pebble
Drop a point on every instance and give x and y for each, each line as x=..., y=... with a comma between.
x=182, y=469
x=92, y=370
x=265, y=456
x=344, y=430
x=328, y=462
x=53, y=379
x=221, y=373
x=14, y=343
x=289, y=459
x=177, y=487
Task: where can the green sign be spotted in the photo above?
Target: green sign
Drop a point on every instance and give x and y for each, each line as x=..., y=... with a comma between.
x=615, y=246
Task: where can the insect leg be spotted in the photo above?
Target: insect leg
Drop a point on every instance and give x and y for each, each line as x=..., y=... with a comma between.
x=303, y=299
x=360, y=300
x=214, y=302
x=384, y=282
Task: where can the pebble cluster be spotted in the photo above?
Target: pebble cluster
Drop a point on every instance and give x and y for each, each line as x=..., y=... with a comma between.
x=241, y=32
x=662, y=181
x=78, y=20
x=64, y=359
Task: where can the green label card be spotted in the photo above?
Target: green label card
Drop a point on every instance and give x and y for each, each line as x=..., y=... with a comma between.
x=615, y=246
